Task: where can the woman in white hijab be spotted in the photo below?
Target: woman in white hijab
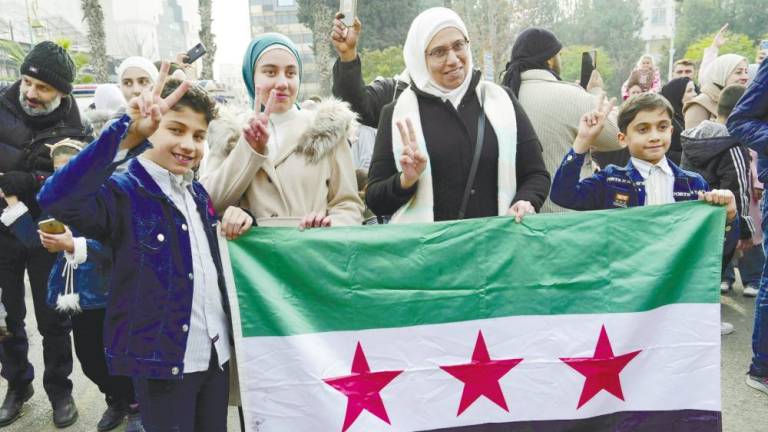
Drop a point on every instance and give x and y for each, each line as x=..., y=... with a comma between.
x=725, y=70
x=427, y=139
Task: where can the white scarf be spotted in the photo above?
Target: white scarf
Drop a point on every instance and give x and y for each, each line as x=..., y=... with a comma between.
x=500, y=114
x=423, y=29
x=721, y=69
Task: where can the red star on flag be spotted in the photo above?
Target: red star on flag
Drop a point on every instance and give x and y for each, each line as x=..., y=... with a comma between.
x=601, y=370
x=481, y=376
x=362, y=389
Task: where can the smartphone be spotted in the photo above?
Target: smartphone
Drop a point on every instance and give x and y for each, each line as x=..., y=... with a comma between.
x=51, y=226
x=195, y=53
x=764, y=44
x=588, y=64
x=348, y=9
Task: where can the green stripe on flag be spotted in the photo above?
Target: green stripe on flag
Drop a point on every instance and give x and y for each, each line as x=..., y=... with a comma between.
x=291, y=282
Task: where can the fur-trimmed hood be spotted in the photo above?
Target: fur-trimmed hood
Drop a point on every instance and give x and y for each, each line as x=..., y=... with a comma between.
x=330, y=128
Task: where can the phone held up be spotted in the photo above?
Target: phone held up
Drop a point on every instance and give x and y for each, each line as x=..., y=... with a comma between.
x=764, y=44
x=348, y=9
x=195, y=53
x=51, y=226
x=588, y=64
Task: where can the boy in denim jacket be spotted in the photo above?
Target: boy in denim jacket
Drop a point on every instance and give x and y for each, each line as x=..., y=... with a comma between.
x=167, y=325
x=645, y=125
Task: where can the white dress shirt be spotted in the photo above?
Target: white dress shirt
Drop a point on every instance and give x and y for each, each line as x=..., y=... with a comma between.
x=659, y=181
x=208, y=321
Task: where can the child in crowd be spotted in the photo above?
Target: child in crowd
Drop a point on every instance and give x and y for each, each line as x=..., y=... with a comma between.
x=646, y=74
x=645, y=124
x=167, y=322
x=708, y=149
x=633, y=88
x=77, y=286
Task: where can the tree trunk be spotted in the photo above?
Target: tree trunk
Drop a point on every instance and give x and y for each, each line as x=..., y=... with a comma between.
x=94, y=16
x=207, y=38
x=321, y=46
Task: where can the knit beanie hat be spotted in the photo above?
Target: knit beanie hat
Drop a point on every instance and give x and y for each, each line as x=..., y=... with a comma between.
x=51, y=64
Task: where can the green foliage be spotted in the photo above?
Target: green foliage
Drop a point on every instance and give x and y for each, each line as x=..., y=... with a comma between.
x=698, y=18
x=14, y=51
x=737, y=44
x=386, y=62
x=570, y=69
x=385, y=23
x=613, y=25
x=80, y=59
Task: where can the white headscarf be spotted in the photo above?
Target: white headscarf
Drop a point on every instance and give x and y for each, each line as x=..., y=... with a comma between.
x=108, y=97
x=721, y=68
x=138, y=62
x=423, y=28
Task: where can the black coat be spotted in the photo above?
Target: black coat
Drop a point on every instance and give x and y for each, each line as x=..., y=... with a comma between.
x=23, y=138
x=450, y=137
x=724, y=164
x=366, y=101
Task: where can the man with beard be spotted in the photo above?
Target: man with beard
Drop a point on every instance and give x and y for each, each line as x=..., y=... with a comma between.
x=36, y=110
x=554, y=106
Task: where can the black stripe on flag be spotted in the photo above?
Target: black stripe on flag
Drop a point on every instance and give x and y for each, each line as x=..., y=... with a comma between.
x=626, y=421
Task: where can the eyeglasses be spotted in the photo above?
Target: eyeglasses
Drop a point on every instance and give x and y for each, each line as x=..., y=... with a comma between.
x=440, y=54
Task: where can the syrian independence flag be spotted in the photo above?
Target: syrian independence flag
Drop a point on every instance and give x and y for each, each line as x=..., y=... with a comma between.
x=593, y=321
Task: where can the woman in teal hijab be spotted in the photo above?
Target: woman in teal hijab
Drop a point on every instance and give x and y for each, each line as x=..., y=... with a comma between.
x=290, y=166
x=257, y=48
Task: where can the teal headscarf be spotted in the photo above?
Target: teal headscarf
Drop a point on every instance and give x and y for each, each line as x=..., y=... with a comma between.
x=256, y=47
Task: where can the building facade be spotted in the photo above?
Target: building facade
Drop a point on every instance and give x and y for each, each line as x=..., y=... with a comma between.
x=282, y=16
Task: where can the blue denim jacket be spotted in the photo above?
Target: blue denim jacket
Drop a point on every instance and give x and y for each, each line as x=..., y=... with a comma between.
x=749, y=120
x=148, y=315
x=623, y=187
x=91, y=278
x=614, y=187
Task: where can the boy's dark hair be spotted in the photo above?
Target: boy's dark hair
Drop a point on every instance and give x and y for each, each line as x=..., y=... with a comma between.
x=729, y=97
x=642, y=102
x=196, y=99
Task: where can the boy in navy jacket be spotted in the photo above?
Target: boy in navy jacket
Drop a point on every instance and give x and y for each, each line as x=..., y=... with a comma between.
x=167, y=324
x=645, y=125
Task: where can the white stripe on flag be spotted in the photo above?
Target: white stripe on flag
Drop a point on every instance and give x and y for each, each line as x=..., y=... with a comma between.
x=678, y=368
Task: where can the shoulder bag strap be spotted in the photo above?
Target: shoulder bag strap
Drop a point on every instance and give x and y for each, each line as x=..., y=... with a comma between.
x=476, y=159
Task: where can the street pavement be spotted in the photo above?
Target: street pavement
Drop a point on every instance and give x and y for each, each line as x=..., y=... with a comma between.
x=744, y=409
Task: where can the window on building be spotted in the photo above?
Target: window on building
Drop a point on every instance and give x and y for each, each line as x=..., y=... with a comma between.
x=286, y=3
x=659, y=16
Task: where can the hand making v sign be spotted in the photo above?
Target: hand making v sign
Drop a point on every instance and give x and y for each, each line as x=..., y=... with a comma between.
x=256, y=131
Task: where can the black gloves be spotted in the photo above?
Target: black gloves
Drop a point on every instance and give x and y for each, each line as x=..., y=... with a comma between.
x=18, y=183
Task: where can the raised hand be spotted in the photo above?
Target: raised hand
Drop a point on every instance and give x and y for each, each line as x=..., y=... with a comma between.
x=256, y=130
x=591, y=124
x=148, y=108
x=720, y=38
x=345, y=38
x=412, y=161
x=595, y=81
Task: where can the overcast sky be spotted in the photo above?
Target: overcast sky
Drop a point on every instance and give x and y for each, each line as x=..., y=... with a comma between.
x=231, y=25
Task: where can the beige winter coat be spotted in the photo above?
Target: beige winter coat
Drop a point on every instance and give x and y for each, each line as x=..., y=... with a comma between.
x=555, y=109
x=312, y=171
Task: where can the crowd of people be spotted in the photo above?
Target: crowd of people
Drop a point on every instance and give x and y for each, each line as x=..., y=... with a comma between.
x=143, y=180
